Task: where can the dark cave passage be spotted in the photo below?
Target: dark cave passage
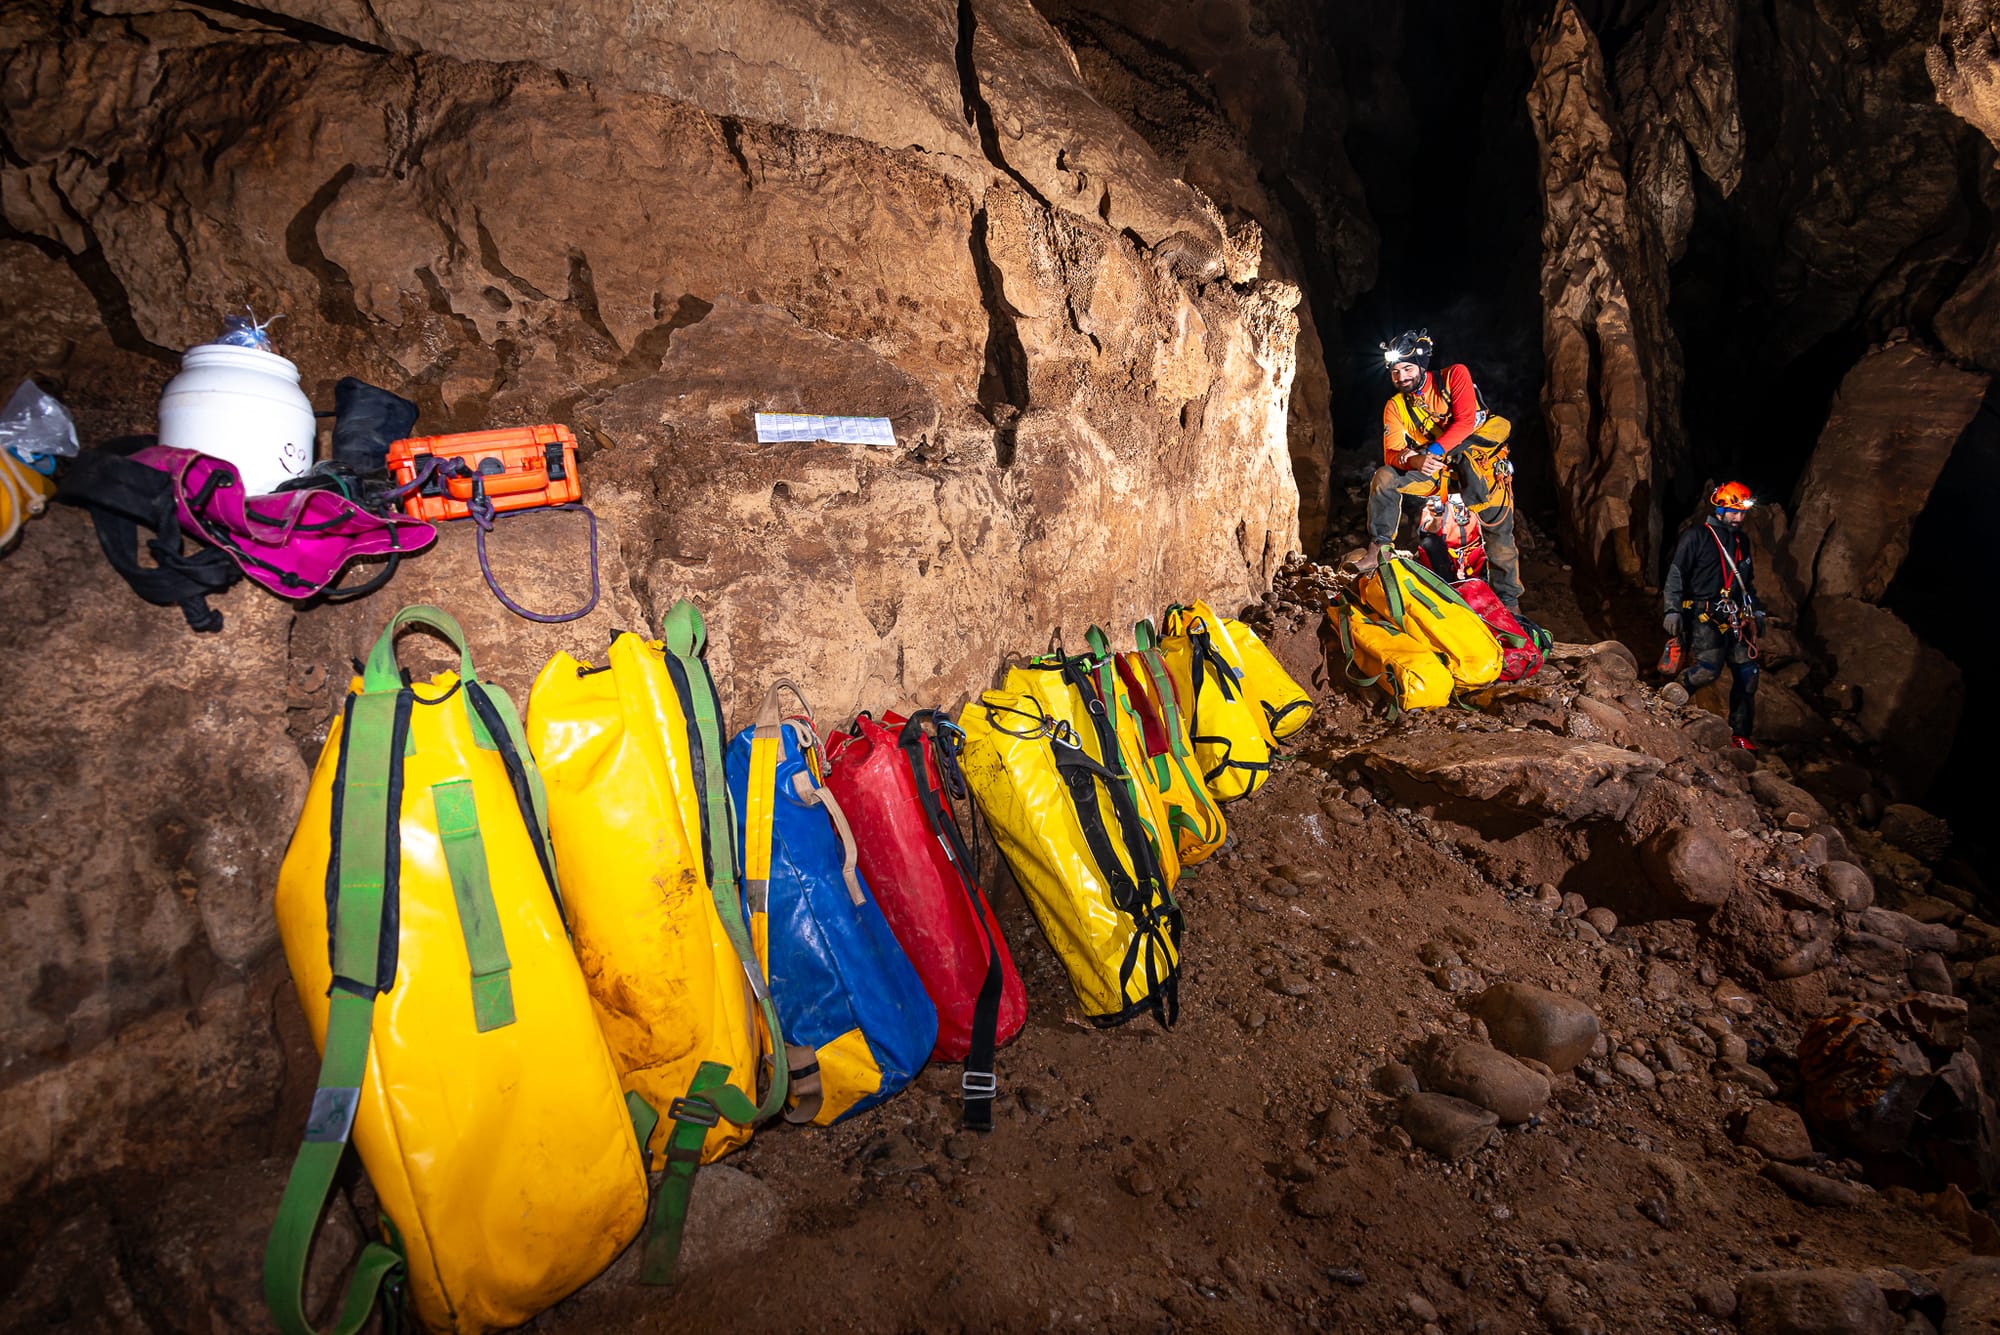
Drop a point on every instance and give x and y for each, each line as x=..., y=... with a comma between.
x=1448, y=161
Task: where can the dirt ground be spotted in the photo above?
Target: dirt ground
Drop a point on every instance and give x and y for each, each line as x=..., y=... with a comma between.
x=1243, y=1172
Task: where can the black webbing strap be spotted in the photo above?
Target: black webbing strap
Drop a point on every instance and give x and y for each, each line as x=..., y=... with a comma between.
x=123, y=495
x=1156, y=921
x=978, y=1085
x=518, y=779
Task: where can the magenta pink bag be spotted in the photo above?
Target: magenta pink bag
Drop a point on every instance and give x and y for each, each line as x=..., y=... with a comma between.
x=294, y=543
x=1519, y=656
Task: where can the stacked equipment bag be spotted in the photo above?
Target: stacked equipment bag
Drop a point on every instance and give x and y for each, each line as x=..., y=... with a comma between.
x=857, y=1023
x=632, y=756
x=896, y=780
x=1413, y=598
x=1520, y=656
x=1232, y=740
x=1166, y=756
x=1408, y=669
x=1077, y=843
x=1285, y=705
x=480, y=1092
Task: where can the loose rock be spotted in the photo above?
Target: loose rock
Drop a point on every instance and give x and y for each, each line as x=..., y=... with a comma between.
x=1485, y=1076
x=1847, y=885
x=1448, y=1127
x=1528, y=1021
x=1811, y=1302
x=1812, y=1189
x=1776, y=1132
x=1633, y=1070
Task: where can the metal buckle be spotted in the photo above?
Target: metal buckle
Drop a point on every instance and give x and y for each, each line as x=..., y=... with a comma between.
x=698, y=1111
x=979, y=1084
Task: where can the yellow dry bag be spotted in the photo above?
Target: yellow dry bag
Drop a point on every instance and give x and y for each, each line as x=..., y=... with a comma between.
x=653, y=906
x=1286, y=706
x=1165, y=756
x=1409, y=596
x=460, y=1049
x=1378, y=654
x=1073, y=837
x=1232, y=744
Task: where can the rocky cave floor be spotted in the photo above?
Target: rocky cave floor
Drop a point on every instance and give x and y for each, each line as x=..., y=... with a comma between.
x=1255, y=1168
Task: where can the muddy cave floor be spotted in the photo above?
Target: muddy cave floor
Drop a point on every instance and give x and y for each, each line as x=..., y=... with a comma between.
x=1242, y=1171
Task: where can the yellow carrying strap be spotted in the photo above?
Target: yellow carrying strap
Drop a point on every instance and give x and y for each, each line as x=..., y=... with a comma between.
x=767, y=748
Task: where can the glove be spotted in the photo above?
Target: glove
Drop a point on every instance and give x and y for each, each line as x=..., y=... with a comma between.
x=1672, y=623
x=1760, y=622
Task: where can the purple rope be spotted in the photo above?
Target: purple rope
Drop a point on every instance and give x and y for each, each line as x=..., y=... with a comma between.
x=484, y=522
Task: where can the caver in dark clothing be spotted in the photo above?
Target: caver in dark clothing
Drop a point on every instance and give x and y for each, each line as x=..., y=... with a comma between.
x=1712, y=607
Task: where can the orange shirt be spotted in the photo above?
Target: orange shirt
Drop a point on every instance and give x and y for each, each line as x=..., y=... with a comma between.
x=1456, y=405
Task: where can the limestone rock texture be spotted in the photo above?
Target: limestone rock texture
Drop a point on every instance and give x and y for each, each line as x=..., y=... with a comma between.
x=648, y=223
x=1964, y=63
x=1598, y=400
x=1243, y=99
x=1893, y=425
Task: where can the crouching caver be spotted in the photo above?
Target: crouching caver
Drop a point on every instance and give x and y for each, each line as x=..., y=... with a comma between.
x=1438, y=437
x=1712, y=608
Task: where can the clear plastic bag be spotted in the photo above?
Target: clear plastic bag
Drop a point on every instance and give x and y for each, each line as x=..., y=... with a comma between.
x=36, y=427
x=247, y=331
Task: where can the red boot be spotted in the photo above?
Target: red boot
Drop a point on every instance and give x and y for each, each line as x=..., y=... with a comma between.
x=1743, y=743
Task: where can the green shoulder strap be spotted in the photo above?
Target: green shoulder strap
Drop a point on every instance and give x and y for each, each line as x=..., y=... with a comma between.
x=1392, y=589
x=710, y=1096
x=371, y=752
x=1105, y=668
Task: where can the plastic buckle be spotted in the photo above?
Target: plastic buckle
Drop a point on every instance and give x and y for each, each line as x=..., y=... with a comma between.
x=698, y=1111
x=979, y=1084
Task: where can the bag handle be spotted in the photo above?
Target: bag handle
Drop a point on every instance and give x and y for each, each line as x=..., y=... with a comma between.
x=383, y=673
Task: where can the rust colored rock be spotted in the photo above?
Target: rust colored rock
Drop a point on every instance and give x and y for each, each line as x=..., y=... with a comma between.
x=1533, y=1022
x=1562, y=777
x=1774, y=1131
x=1691, y=869
x=1448, y=1127
x=1895, y=419
x=1811, y=1302
x=1482, y=1075
x=1861, y=1082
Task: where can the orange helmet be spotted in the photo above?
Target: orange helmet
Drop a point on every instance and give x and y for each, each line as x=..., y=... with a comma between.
x=1732, y=496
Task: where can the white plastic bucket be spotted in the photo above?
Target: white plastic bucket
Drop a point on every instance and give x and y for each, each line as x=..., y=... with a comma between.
x=243, y=405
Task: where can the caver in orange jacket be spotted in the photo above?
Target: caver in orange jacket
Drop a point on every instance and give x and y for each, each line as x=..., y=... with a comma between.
x=1446, y=412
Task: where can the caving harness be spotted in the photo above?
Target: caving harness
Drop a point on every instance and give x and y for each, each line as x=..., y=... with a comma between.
x=1728, y=613
x=1485, y=450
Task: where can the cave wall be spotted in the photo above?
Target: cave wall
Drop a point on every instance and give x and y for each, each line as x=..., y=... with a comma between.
x=648, y=224
x=1244, y=99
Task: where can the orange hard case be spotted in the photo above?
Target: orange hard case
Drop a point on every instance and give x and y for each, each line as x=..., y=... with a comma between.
x=518, y=468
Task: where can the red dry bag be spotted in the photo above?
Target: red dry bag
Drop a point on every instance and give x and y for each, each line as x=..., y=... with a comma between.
x=1519, y=656
x=896, y=780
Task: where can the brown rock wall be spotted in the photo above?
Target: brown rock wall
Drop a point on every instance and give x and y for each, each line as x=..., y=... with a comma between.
x=1089, y=425
x=1892, y=426
x=1597, y=400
